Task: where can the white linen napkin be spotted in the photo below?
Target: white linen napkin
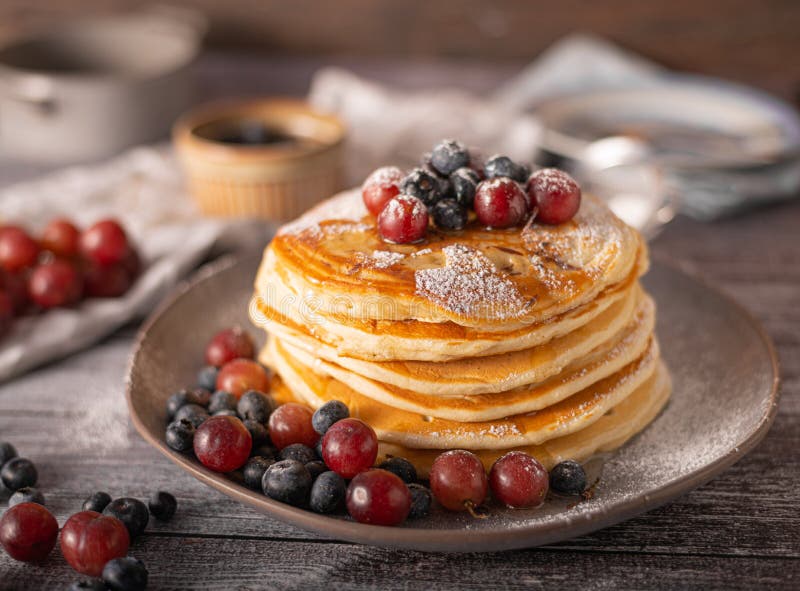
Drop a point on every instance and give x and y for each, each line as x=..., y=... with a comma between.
x=143, y=189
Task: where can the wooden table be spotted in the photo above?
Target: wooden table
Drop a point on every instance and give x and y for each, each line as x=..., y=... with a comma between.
x=739, y=531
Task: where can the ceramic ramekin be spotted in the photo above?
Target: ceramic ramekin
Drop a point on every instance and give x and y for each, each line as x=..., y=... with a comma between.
x=271, y=181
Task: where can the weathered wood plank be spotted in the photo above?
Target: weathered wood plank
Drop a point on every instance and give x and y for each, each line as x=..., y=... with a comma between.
x=203, y=563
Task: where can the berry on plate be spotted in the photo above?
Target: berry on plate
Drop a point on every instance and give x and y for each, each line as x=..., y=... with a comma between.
x=328, y=493
x=404, y=220
x=378, y=497
x=240, y=375
x=287, y=481
x=568, y=478
x=291, y=423
x=500, y=203
x=222, y=443
x=327, y=414
x=229, y=344
x=423, y=185
x=458, y=480
x=449, y=215
x=556, y=195
x=503, y=166
x=518, y=480
x=402, y=467
x=448, y=156
x=380, y=187
x=350, y=446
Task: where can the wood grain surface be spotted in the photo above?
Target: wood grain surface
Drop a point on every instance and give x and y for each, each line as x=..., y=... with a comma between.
x=741, y=531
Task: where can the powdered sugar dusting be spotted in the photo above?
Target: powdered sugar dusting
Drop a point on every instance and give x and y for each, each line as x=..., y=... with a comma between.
x=345, y=207
x=383, y=259
x=470, y=285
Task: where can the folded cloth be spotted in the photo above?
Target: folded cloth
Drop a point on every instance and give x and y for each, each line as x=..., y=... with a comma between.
x=143, y=189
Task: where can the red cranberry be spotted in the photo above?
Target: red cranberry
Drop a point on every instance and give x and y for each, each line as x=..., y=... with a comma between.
x=458, y=480
x=16, y=287
x=500, y=203
x=105, y=243
x=229, y=344
x=6, y=313
x=222, y=443
x=106, y=281
x=17, y=250
x=403, y=220
x=89, y=540
x=555, y=193
x=378, y=497
x=55, y=284
x=291, y=423
x=350, y=446
x=519, y=480
x=28, y=532
x=240, y=375
x=62, y=238
x=380, y=187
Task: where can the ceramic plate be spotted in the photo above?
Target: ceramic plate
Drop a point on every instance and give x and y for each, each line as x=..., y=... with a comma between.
x=725, y=396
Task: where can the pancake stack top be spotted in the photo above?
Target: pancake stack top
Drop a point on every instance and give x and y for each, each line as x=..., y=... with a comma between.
x=537, y=338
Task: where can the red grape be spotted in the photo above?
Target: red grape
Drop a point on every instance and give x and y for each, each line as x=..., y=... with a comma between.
x=240, y=375
x=16, y=287
x=89, y=540
x=17, y=250
x=28, y=532
x=519, y=480
x=229, y=344
x=62, y=238
x=380, y=187
x=105, y=243
x=55, y=284
x=403, y=220
x=222, y=443
x=106, y=281
x=6, y=312
x=458, y=480
x=350, y=446
x=291, y=423
x=555, y=193
x=378, y=497
x=500, y=203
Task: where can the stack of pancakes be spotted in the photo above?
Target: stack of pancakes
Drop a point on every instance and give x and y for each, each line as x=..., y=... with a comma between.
x=537, y=338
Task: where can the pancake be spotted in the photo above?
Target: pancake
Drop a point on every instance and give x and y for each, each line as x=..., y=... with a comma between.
x=385, y=340
x=609, y=358
x=608, y=433
x=488, y=279
x=417, y=431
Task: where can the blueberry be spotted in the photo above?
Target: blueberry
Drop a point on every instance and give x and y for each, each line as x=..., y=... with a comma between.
x=162, y=505
x=97, y=502
x=266, y=450
x=287, y=481
x=226, y=412
x=18, y=473
x=207, y=378
x=199, y=396
x=256, y=406
x=221, y=400
x=132, y=512
x=465, y=182
x=568, y=478
x=420, y=501
x=125, y=574
x=328, y=493
x=180, y=435
x=88, y=585
x=298, y=451
x=498, y=166
x=402, y=468
x=448, y=156
x=327, y=414
x=318, y=448
x=422, y=184
x=26, y=494
x=258, y=431
x=176, y=401
x=194, y=413
x=316, y=468
x=254, y=471
x=7, y=452
x=449, y=215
